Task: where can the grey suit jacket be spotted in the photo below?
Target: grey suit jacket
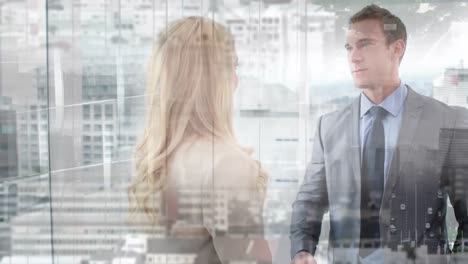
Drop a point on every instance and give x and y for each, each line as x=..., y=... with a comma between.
x=429, y=164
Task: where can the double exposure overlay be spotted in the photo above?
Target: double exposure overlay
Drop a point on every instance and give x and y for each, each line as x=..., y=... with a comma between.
x=233, y=131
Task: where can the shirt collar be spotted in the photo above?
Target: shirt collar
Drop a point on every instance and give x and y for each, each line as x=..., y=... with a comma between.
x=393, y=103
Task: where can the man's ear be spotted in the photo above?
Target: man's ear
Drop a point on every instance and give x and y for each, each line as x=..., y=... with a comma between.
x=399, y=48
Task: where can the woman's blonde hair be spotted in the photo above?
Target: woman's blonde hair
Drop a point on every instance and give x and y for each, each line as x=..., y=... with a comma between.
x=190, y=90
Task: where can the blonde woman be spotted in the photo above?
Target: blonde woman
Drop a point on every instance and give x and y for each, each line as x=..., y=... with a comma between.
x=189, y=151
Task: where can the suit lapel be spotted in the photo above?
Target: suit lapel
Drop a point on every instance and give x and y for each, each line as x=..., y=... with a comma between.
x=409, y=125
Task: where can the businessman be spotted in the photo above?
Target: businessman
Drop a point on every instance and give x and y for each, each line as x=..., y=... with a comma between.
x=384, y=166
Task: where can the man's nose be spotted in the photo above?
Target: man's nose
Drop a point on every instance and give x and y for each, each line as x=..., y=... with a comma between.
x=355, y=56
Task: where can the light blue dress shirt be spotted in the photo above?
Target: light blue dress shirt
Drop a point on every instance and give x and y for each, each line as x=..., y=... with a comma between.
x=394, y=104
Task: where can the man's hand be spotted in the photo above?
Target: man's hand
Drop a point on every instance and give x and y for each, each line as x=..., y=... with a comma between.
x=303, y=257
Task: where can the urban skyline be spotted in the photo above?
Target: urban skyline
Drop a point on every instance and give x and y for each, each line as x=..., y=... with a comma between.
x=80, y=113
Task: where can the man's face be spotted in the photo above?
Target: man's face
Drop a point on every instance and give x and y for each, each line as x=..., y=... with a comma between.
x=370, y=59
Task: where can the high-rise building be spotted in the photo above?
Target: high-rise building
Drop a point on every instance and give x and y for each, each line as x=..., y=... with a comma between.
x=112, y=87
x=8, y=146
x=33, y=129
x=280, y=43
x=261, y=40
x=452, y=88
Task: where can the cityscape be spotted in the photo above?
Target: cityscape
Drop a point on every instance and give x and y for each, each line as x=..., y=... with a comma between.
x=72, y=106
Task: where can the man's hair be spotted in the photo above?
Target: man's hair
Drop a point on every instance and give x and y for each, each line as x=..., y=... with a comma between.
x=392, y=26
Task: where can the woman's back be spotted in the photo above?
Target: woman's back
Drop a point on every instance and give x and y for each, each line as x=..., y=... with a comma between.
x=213, y=193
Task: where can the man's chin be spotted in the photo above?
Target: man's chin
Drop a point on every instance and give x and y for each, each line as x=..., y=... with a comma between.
x=361, y=85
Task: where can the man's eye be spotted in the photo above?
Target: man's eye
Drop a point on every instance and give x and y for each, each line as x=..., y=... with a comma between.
x=365, y=44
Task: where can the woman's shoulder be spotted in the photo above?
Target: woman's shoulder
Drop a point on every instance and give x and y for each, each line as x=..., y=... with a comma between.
x=215, y=150
x=227, y=163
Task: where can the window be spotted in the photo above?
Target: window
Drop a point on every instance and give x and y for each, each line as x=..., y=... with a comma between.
x=86, y=109
x=97, y=108
x=109, y=108
x=293, y=69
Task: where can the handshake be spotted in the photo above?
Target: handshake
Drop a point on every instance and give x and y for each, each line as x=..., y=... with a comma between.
x=303, y=257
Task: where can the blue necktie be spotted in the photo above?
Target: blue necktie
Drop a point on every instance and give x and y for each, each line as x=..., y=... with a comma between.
x=372, y=181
